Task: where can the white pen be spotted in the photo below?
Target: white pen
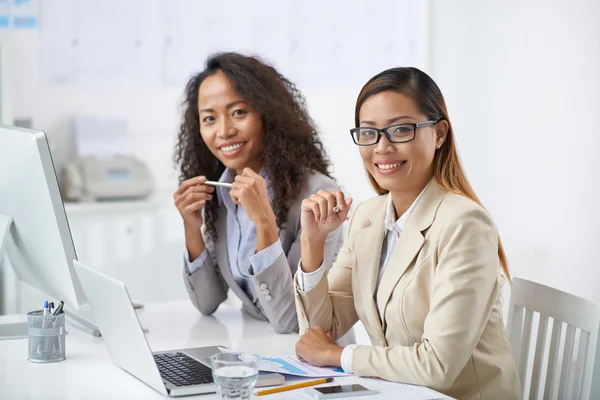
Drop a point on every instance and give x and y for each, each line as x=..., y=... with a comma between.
x=221, y=184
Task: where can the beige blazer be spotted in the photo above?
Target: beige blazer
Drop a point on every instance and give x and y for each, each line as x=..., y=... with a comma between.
x=436, y=319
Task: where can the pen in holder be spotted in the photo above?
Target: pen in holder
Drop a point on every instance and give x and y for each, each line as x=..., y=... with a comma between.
x=46, y=335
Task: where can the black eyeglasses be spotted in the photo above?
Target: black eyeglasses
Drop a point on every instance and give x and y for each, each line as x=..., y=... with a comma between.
x=399, y=133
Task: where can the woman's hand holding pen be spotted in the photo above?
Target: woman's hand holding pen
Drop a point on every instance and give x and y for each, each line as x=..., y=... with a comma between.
x=190, y=198
x=318, y=218
x=249, y=190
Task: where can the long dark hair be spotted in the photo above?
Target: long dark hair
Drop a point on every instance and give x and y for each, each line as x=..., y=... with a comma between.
x=426, y=94
x=291, y=143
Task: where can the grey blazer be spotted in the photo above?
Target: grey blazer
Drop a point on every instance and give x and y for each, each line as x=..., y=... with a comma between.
x=208, y=286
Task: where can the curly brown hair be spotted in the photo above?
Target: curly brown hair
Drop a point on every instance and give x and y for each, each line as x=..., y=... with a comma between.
x=291, y=143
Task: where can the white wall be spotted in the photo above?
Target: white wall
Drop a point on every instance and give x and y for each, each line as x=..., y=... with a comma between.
x=152, y=114
x=522, y=83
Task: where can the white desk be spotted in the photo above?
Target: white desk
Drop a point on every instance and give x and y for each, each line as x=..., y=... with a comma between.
x=88, y=372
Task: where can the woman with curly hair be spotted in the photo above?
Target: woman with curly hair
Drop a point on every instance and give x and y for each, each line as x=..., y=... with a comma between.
x=246, y=125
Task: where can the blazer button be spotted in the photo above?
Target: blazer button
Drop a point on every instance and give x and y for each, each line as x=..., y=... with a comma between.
x=265, y=292
x=262, y=286
x=268, y=298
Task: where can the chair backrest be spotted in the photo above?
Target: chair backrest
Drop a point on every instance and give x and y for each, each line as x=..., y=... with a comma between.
x=563, y=368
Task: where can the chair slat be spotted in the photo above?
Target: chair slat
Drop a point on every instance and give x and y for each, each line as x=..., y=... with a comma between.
x=525, y=341
x=552, y=358
x=515, y=329
x=539, y=357
x=584, y=340
x=567, y=363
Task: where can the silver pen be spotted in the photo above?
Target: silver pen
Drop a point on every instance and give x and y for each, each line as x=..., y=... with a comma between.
x=221, y=184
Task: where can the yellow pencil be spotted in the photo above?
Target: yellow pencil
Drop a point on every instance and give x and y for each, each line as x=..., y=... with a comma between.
x=296, y=386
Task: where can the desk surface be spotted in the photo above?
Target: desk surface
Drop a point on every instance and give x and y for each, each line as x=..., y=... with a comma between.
x=88, y=372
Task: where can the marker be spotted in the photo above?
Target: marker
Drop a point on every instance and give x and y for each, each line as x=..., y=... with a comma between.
x=50, y=308
x=59, y=308
x=220, y=184
x=46, y=308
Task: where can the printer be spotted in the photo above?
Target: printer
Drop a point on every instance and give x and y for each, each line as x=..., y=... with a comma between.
x=118, y=177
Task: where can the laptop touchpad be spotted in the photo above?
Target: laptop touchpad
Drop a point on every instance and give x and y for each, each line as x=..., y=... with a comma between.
x=203, y=354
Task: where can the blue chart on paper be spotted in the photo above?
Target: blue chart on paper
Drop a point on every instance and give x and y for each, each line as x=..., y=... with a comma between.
x=286, y=366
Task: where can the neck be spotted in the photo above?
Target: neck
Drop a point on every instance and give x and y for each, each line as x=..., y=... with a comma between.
x=403, y=199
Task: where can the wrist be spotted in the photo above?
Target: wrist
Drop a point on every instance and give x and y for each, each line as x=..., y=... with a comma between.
x=266, y=225
x=313, y=240
x=191, y=228
x=334, y=356
x=266, y=234
x=312, y=251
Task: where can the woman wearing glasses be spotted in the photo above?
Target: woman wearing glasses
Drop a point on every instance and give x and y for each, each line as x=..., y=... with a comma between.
x=422, y=265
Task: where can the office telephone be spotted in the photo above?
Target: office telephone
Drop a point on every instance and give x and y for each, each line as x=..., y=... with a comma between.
x=115, y=178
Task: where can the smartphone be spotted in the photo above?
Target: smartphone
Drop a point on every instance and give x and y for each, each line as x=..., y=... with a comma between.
x=333, y=392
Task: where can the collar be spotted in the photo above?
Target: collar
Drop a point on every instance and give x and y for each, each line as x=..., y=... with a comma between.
x=398, y=225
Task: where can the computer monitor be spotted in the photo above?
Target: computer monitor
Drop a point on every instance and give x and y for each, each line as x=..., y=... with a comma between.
x=34, y=230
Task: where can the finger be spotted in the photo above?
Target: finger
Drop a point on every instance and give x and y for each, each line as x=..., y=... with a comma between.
x=308, y=205
x=197, y=180
x=194, y=197
x=194, y=207
x=249, y=172
x=331, y=203
x=235, y=196
x=330, y=335
x=340, y=202
x=192, y=189
x=319, y=329
x=199, y=188
x=238, y=187
x=344, y=213
x=322, y=201
x=316, y=211
x=243, y=179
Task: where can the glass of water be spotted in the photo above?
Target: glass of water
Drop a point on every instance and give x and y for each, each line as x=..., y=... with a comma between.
x=235, y=375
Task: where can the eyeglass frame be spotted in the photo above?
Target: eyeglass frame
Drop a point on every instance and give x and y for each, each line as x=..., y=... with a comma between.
x=387, y=135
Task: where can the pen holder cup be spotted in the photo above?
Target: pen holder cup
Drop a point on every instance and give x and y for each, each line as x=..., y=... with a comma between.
x=46, y=334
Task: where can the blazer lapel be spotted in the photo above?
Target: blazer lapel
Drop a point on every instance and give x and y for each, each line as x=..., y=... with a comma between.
x=223, y=258
x=407, y=247
x=409, y=244
x=369, y=241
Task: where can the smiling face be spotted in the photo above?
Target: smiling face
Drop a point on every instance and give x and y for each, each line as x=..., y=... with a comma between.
x=399, y=167
x=231, y=128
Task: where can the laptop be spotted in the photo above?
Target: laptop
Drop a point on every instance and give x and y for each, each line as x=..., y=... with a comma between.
x=173, y=373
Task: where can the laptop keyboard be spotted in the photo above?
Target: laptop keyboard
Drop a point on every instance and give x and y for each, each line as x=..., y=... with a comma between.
x=182, y=370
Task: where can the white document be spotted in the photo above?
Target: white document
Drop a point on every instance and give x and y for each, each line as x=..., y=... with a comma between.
x=290, y=365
